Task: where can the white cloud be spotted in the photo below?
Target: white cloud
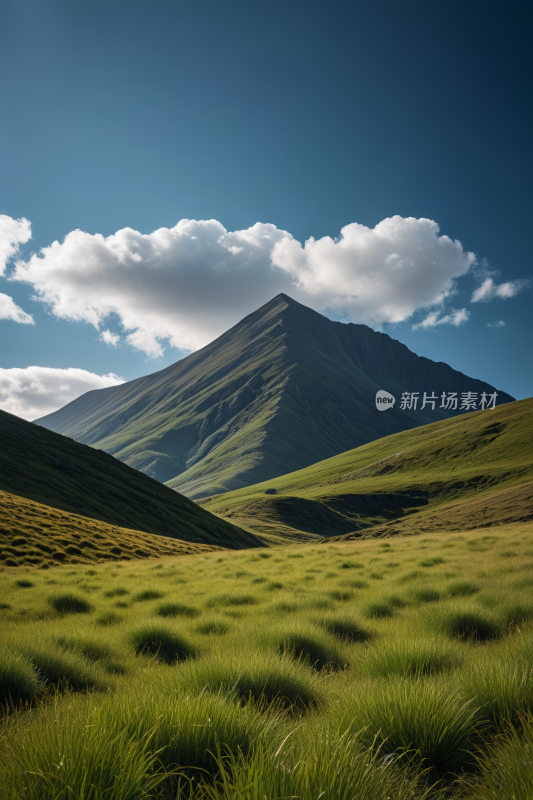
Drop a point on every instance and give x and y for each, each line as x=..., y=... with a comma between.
x=380, y=274
x=456, y=317
x=112, y=339
x=188, y=284
x=10, y=310
x=489, y=290
x=185, y=284
x=35, y=391
x=499, y=324
x=13, y=233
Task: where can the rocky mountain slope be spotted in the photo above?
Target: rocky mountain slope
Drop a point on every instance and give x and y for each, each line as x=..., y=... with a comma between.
x=282, y=389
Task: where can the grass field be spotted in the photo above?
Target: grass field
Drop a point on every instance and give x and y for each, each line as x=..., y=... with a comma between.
x=384, y=668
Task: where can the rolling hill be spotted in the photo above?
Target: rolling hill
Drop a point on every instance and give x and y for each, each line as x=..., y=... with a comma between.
x=52, y=487
x=283, y=389
x=467, y=472
x=36, y=535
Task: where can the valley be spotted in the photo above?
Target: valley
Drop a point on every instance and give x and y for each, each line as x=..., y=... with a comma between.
x=474, y=470
x=318, y=622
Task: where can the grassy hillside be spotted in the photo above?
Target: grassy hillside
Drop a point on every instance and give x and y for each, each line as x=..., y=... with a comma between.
x=499, y=507
x=40, y=536
x=282, y=389
x=364, y=670
x=49, y=469
x=416, y=477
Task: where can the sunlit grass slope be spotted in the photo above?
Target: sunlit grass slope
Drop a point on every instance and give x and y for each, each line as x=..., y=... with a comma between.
x=367, y=669
x=45, y=467
x=36, y=535
x=483, y=461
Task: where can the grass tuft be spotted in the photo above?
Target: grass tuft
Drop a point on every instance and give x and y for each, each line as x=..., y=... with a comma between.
x=69, y=604
x=91, y=649
x=433, y=561
x=185, y=730
x=213, y=626
x=259, y=676
x=340, y=595
x=82, y=755
x=156, y=640
x=342, y=765
x=344, y=627
x=63, y=669
x=505, y=769
x=19, y=679
x=108, y=618
x=176, y=610
x=425, y=594
x=118, y=591
x=468, y=622
x=308, y=644
x=410, y=658
x=422, y=716
x=503, y=689
x=378, y=609
x=148, y=594
x=462, y=588
x=517, y=613
x=233, y=599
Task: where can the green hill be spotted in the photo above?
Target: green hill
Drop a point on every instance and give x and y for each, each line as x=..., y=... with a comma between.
x=40, y=536
x=57, y=473
x=283, y=389
x=469, y=471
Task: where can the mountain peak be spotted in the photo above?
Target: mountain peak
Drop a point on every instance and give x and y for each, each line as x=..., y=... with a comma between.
x=279, y=302
x=282, y=389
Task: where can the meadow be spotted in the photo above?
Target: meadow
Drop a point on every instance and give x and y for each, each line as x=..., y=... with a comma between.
x=385, y=668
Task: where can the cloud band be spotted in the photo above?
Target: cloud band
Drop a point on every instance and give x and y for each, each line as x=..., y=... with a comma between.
x=188, y=284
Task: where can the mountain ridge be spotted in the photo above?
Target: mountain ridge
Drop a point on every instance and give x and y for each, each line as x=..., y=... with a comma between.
x=282, y=389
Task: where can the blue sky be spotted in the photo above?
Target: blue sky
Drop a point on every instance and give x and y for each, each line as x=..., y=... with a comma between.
x=308, y=117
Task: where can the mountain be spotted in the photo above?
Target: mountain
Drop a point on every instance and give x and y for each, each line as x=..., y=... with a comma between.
x=282, y=389
x=468, y=472
x=51, y=486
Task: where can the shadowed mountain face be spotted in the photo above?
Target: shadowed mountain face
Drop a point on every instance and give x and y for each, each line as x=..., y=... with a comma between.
x=282, y=389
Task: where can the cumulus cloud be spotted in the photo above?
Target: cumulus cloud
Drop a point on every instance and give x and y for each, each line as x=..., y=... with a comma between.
x=10, y=310
x=187, y=284
x=489, y=290
x=456, y=317
x=36, y=391
x=112, y=339
x=380, y=274
x=13, y=233
x=499, y=324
